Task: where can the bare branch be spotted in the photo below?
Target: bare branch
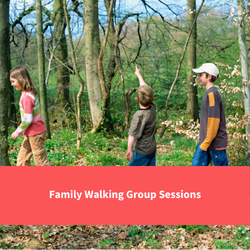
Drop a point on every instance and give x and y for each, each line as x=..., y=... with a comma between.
x=168, y=7
x=75, y=8
x=100, y=66
x=139, y=35
x=163, y=19
x=121, y=23
x=179, y=66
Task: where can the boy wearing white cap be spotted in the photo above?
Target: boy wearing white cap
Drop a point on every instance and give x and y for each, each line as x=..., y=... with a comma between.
x=213, y=135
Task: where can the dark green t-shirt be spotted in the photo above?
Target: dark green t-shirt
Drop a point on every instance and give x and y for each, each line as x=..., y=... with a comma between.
x=143, y=129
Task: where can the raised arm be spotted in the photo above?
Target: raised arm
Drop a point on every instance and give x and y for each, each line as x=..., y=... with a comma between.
x=138, y=74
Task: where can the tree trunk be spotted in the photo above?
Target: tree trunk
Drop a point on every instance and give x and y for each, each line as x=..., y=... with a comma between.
x=108, y=125
x=4, y=81
x=244, y=66
x=79, y=95
x=92, y=45
x=192, y=97
x=61, y=55
x=12, y=108
x=128, y=106
x=41, y=66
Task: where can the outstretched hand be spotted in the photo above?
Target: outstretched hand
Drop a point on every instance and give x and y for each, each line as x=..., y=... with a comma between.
x=137, y=71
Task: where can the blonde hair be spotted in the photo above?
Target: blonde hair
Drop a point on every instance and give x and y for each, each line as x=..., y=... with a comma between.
x=145, y=95
x=22, y=75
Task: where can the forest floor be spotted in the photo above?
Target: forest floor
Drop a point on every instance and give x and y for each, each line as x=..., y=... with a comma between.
x=104, y=150
x=125, y=237
x=110, y=149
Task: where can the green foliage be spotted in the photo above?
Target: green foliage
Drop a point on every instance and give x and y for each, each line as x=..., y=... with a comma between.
x=190, y=243
x=46, y=235
x=153, y=243
x=148, y=237
x=199, y=228
x=220, y=244
x=64, y=234
x=135, y=231
x=179, y=152
x=242, y=237
x=4, y=245
x=106, y=242
x=3, y=229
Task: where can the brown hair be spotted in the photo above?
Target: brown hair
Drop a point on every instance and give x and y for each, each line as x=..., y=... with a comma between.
x=145, y=95
x=23, y=77
x=213, y=78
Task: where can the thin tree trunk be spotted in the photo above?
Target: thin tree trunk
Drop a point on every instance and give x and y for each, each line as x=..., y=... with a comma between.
x=192, y=97
x=244, y=66
x=61, y=52
x=41, y=66
x=107, y=120
x=179, y=68
x=79, y=95
x=92, y=45
x=4, y=81
x=104, y=88
x=128, y=105
x=12, y=108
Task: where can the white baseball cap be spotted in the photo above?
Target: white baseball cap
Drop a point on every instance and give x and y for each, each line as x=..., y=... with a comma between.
x=209, y=68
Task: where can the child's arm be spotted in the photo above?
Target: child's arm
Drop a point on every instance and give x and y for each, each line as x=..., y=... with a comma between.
x=138, y=74
x=129, y=153
x=27, y=104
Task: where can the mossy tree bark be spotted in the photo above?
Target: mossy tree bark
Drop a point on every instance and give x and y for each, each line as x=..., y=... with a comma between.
x=107, y=120
x=61, y=55
x=12, y=108
x=112, y=35
x=4, y=81
x=244, y=69
x=92, y=47
x=79, y=95
x=41, y=66
x=192, y=97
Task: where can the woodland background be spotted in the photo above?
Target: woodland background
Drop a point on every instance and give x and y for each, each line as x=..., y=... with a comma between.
x=82, y=56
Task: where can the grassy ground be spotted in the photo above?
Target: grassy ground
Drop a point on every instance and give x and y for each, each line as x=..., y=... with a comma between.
x=99, y=150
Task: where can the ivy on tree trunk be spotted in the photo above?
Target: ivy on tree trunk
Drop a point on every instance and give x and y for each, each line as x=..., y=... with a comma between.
x=192, y=97
x=41, y=66
x=4, y=81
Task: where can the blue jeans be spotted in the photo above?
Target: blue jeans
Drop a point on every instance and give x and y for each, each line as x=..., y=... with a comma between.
x=142, y=160
x=203, y=158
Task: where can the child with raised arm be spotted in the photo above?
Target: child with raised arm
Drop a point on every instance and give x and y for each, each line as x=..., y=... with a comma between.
x=32, y=125
x=142, y=128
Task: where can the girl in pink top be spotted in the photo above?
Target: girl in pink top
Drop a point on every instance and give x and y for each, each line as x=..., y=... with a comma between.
x=32, y=125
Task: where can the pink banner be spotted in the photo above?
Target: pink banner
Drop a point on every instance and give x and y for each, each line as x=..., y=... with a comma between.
x=125, y=195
